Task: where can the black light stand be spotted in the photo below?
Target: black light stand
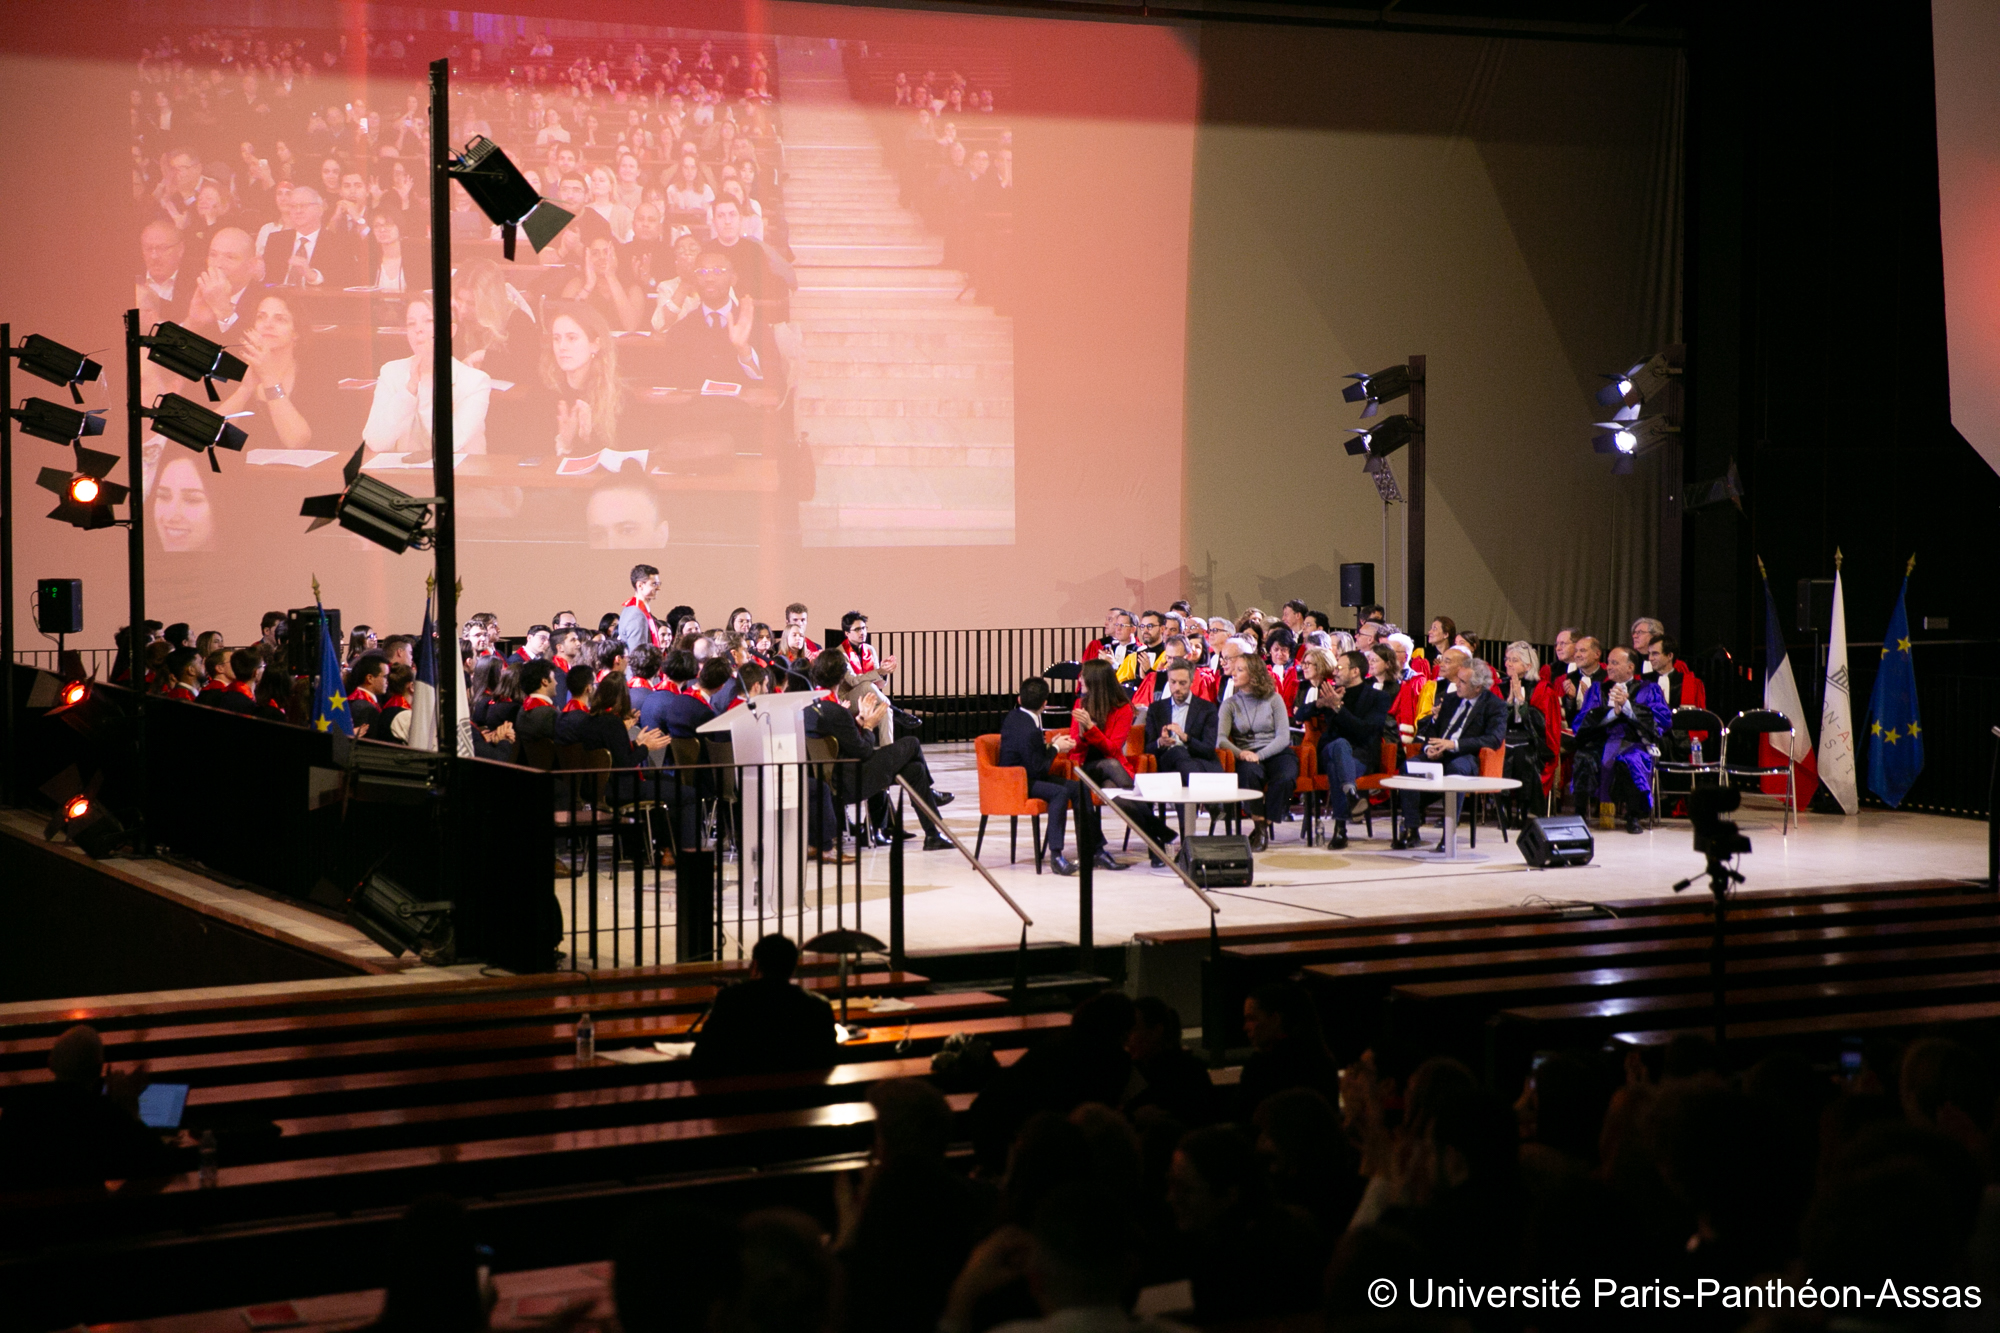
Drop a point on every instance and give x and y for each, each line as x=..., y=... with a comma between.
x=1718, y=839
x=442, y=435
x=7, y=563
x=1993, y=821
x=1413, y=575
x=135, y=573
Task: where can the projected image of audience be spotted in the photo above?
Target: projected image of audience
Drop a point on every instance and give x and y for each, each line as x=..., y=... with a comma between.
x=783, y=304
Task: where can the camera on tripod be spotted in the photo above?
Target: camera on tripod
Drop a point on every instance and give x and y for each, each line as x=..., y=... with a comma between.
x=1715, y=837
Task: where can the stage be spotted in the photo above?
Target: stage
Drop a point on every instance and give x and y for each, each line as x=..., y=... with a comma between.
x=950, y=908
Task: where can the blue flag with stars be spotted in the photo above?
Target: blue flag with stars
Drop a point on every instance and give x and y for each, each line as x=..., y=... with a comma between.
x=1895, y=732
x=329, y=700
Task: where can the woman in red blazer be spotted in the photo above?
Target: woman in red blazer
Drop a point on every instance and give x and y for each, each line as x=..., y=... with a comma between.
x=1100, y=722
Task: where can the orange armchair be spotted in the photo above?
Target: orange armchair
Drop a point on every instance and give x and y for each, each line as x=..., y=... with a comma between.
x=1388, y=765
x=1311, y=781
x=1492, y=764
x=1004, y=791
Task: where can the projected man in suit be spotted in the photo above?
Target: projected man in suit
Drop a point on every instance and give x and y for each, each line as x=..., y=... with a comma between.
x=224, y=294
x=1621, y=720
x=310, y=254
x=723, y=339
x=1023, y=744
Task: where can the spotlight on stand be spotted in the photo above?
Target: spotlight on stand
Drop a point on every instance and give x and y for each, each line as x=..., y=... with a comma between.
x=505, y=196
x=82, y=818
x=400, y=922
x=187, y=422
x=192, y=357
x=55, y=423
x=84, y=497
x=374, y=509
x=1384, y=386
x=48, y=360
x=1628, y=439
x=1383, y=438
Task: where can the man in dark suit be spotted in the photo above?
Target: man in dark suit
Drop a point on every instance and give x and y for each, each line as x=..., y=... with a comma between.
x=367, y=681
x=1180, y=728
x=223, y=295
x=766, y=1025
x=724, y=338
x=1469, y=719
x=537, y=719
x=1350, y=711
x=1023, y=744
x=880, y=765
x=309, y=254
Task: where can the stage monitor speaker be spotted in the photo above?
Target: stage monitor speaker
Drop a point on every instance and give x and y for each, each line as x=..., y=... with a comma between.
x=302, y=638
x=1219, y=863
x=1815, y=606
x=59, y=606
x=1556, y=840
x=694, y=906
x=1357, y=585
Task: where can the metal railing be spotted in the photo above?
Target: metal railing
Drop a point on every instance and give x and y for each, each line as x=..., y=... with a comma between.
x=96, y=662
x=963, y=681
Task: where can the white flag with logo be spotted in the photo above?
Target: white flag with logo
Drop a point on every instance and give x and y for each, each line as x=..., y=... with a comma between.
x=1836, y=726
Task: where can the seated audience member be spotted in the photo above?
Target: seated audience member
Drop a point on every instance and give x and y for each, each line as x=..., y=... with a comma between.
x=1586, y=663
x=1173, y=1080
x=274, y=697
x=677, y=710
x=866, y=670
x=1100, y=724
x=727, y=338
x=433, y=1272
x=1280, y=652
x=536, y=644
x=881, y=765
x=1534, y=721
x=766, y=1024
x=535, y=719
x=1024, y=745
x=81, y=1129
x=601, y=726
x=1288, y=1048
x=580, y=371
x=1181, y=726
x=399, y=416
x=496, y=693
x=1644, y=630
x=1250, y=1257
x=367, y=683
x=1679, y=687
x=239, y=691
x=1350, y=711
x=1084, y=1062
x=1255, y=726
x=181, y=675
x=288, y=395
x=395, y=722
x=1622, y=718
x=693, y=1294
x=1467, y=719
x=915, y=1219
x=607, y=287
x=1079, y=1257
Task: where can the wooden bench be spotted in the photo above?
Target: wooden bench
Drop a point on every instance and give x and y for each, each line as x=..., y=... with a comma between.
x=1823, y=1030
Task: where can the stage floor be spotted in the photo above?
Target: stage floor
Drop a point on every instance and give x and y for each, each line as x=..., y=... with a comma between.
x=949, y=906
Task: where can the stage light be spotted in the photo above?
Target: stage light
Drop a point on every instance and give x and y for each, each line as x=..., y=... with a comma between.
x=82, y=818
x=53, y=422
x=187, y=422
x=373, y=509
x=1626, y=440
x=505, y=196
x=72, y=694
x=400, y=922
x=48, y=360
x=1383, y=438
x=1631, y=388
x=1384, y=386
x=85, y=497
x=192, y=357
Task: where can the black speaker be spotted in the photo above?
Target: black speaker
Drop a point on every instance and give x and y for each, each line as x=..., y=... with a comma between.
x=1556, y=840
x=694, y=906
x=1357, y=585
x=59, y=606
x=1219, y=863
x=302, y=638
x=1815, y=606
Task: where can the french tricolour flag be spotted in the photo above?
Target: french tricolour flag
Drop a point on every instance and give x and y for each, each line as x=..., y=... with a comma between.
x=1781, y=695
x=424, y=689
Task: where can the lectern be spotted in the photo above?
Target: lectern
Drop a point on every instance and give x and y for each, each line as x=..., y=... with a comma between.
x=767, y=741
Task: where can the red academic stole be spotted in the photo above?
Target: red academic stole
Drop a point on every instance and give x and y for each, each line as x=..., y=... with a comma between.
x=652, y=625
x=576, y=706
x=536, y=701
x=244, y=688
x=860, y=662
x=181, y=692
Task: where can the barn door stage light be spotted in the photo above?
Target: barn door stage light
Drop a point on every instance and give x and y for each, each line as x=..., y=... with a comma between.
x=187, y=422
x=1383, y=438
x=55, y=423
x=505, y=196
x=84, y=497
x=1628, y=439
x=193, y=357
x=373, y=509
x=1630, y=389
x=1384, y=386
x=49, y=360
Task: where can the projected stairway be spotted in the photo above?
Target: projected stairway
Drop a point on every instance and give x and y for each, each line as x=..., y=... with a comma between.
x=905, y=391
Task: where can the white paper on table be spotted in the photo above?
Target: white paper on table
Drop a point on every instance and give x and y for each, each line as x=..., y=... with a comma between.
x=635, y=1055
x=1211, y=784
x=1422, y=768
x=286, y=457
x=1160, y=787
x=385, y=462
x=889, y=1004
x=674, y=1050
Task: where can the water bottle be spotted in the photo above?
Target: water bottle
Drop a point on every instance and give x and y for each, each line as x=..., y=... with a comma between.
x=1695, y=752
x=586, y=1041
x=208, y=1157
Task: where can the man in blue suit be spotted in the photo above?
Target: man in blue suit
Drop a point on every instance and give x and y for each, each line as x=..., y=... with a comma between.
x=673, y=715
x=1618, y=724
x=1023, y=744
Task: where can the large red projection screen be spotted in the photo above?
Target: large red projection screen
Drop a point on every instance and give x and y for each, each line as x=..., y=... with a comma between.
x=1966, y=40
x=861, y=308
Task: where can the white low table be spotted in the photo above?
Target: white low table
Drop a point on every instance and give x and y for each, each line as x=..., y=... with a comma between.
x=1451, y=785
x=1182, y=800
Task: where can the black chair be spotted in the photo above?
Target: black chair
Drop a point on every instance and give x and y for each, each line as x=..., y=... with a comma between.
x=1758, y=722
x=1686, y=721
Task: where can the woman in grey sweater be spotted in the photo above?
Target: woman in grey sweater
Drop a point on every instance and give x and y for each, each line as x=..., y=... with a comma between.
x=1254, y=726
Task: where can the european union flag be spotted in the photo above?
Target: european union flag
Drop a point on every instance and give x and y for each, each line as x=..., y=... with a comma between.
x=329, y=700
x=1895, y=732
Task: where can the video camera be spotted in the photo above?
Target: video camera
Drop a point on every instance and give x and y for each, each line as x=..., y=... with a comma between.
x=1715, y=837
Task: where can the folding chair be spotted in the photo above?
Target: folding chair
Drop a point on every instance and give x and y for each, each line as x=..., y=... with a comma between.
x=1759, y=722
x=1685, y=722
